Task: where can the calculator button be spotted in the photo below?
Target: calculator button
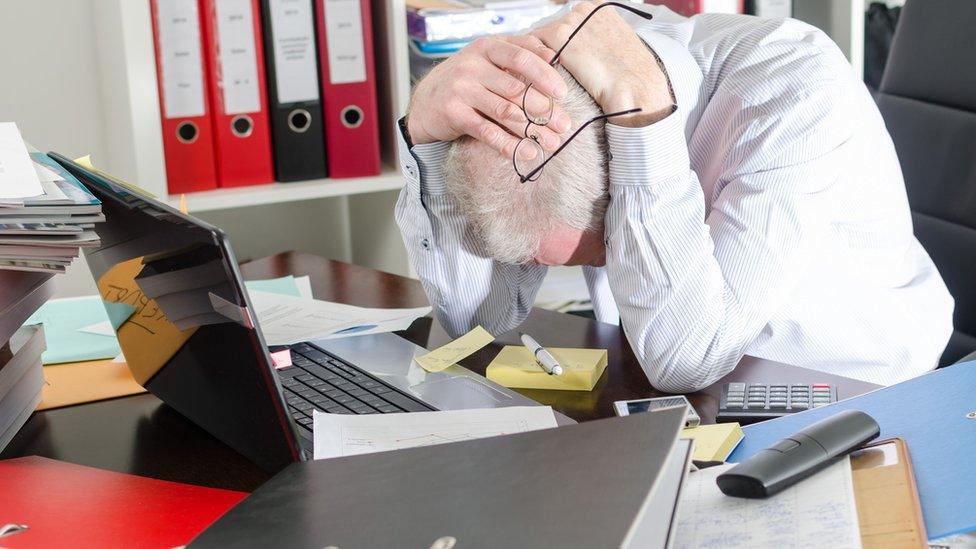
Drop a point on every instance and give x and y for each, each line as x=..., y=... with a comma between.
x=777, y=405
x=737, y=386
x=736, y=405
x=800, y=406
x=819, y=404
x=824, y=385
x=778, y=387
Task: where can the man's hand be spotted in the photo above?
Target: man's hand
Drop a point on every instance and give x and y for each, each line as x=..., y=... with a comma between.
x=612, y=63
x=478, y=92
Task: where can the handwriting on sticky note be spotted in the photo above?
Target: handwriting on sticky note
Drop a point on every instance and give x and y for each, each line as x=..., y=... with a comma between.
x=449, y=354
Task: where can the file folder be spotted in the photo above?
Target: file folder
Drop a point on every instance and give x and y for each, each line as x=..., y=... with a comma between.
x=235, y=79
x=183, y=104
x=68, y=505
x=348, y=87
x=297, y=136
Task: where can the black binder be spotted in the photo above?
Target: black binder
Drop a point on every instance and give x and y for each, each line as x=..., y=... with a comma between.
x=607, y=483
x=297, y=135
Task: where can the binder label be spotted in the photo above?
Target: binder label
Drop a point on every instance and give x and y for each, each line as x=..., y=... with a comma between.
x=238, y=59
x=178, y=22
x=293, y=38
x=344, y=40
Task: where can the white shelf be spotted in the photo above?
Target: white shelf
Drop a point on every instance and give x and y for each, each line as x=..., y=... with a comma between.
x=276, y=193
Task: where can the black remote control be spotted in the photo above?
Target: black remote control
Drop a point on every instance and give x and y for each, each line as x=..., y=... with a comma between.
x=802, y=454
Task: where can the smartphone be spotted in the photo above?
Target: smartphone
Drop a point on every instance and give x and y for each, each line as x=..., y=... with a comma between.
x=627, y=407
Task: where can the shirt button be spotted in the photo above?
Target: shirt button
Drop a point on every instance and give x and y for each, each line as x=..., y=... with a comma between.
x=425, y=244
x=411, y=171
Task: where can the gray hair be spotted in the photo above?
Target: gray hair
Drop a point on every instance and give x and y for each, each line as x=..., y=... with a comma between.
x=511, y=218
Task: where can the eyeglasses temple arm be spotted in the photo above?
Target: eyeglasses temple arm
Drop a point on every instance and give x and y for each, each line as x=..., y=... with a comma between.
x=529, y=176
x=579, y=27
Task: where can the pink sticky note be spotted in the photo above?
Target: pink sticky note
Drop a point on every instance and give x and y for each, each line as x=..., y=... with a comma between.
x=281, y=359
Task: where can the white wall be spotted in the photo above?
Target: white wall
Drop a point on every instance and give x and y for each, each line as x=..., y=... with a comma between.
x=50, y=86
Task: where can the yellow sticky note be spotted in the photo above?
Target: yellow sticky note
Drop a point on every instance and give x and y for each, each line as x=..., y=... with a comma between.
x=515, y=367
x=449, y=354
x=714, y=442
x=183, y=204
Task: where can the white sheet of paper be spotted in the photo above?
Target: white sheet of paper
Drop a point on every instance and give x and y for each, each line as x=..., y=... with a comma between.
x=181, y=60
x=18, y=179
x=238, y=56
x=286, y=320
x=45, y=174
x=304, y=284
x=293, y=41
x=103, y=328
x=338, y=435
x=818, y=512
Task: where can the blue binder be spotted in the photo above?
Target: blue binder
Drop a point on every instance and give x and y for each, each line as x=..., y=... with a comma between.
x=930, y=413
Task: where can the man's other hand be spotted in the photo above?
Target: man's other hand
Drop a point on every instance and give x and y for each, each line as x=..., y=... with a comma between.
x=478, y=92
x=612, y=63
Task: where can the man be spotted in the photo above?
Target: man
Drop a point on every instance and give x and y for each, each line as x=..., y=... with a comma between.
x=754, y=205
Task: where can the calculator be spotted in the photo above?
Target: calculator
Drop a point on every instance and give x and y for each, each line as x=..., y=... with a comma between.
x=746, y=403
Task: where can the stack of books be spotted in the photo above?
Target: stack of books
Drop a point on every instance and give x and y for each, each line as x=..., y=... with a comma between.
x=438, y=28
x=21, y=374
x=46, y=214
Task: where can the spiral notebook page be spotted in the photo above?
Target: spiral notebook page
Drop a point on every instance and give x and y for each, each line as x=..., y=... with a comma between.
x=817, y=512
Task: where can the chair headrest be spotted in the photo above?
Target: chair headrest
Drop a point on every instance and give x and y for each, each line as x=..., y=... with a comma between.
x=933, y=54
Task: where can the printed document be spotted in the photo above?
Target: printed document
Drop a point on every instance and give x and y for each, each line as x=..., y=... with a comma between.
x=337, y=435
x=817, y=512
x=287, y=320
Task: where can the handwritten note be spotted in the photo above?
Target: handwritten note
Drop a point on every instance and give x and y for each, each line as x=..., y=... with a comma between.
x=818, y=512
x=449, y=354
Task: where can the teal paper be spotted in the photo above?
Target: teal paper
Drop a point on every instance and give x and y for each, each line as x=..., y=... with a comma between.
x=281, y=286
x=63, y=317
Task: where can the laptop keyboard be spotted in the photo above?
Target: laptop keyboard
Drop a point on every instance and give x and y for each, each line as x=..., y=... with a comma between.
x=320, y=381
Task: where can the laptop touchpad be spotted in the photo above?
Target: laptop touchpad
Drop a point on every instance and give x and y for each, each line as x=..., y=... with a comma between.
x=459, y=392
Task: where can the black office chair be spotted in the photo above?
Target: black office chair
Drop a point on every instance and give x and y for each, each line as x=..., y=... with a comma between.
x=928, y=100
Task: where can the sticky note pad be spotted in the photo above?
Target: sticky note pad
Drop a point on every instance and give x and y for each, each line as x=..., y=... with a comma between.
x=515, y=367
x=713, y=442
x=448, y=355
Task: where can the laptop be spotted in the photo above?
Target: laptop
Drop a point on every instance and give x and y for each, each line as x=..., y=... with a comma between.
x=189, y=335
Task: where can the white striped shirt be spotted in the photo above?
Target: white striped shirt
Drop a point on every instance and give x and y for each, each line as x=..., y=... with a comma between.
x=766, y=216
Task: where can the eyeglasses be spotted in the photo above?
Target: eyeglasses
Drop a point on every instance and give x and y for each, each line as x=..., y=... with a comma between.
x=538, y=111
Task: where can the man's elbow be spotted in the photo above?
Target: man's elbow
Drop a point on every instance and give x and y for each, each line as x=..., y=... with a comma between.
x=684, y=374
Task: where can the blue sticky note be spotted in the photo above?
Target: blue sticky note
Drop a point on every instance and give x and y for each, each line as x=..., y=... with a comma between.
x=282, y=286
x=62, y=319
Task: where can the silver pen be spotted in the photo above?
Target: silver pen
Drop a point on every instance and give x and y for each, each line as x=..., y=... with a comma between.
x=543, y=357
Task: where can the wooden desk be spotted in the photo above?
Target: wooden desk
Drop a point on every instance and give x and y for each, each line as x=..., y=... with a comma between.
x=142, y=436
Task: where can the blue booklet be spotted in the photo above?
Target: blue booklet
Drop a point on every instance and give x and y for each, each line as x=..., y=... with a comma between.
x=936, y=415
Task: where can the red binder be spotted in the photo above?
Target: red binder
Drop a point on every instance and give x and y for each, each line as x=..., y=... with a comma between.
x=352, y=140
x=235, y=78
x=183, y=105
x=68, y=505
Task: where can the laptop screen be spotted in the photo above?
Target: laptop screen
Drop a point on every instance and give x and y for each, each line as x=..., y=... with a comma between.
x=172, y=290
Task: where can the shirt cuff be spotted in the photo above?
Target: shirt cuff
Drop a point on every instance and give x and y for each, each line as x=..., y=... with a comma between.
x=423, y=164
x=649, y=155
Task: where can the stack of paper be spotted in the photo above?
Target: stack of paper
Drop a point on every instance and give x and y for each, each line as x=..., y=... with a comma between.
x=46, y=215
